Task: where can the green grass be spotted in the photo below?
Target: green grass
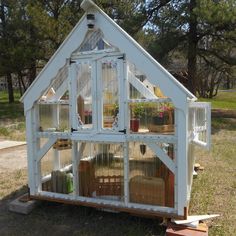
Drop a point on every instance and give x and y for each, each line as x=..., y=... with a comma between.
x=214, y=189
x=224, y=100
x=12, y=120
x=223, y=123
x=10, y=111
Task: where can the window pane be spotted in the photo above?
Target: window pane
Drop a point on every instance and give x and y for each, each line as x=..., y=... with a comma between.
x=110, y=96
x=84, y=95
x=101, y=171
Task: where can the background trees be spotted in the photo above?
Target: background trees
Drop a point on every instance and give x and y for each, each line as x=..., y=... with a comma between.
x=194, y=39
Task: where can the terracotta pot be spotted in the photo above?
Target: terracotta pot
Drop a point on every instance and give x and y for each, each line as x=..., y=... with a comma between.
x=134, y=125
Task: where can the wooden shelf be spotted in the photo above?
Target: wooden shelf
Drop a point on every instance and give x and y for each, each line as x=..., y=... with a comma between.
x=146, y=100
x=63, y=102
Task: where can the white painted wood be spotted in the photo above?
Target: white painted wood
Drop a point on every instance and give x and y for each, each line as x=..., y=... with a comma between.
x=206, y=128
x=73, y=96
x=98, y=137
x=181, y=159
x=61, y=90
x=87, y=5
x=157, y=75
x=163, y=157
x=141, y=87
x=120, y=75
x=126, y=95
x=193, y=218
x=94, y=95
x=53, y=134
x=45, y=148
x=176, y=177
x=36, y=146
x=30, y=151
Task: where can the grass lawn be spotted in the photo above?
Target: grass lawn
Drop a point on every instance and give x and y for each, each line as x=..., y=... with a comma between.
x=10, y=111
x=224, y=100
x=213, y=191
x=12, y=120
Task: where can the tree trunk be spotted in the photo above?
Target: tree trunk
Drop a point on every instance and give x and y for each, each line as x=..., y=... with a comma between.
x=20, y=87
x=21, y=82
x=192, y=48
x=10, y=88
x=32, y=72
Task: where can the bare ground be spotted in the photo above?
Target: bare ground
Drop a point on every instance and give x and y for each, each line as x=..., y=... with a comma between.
x=58, y=219
x=214, y=191
x=13, y=159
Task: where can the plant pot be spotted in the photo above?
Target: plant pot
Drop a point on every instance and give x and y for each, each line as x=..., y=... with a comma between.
x=165, y=119
x=157, y=120
x=134, y=125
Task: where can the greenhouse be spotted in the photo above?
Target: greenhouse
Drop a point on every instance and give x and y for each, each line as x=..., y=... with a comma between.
x=108, y=127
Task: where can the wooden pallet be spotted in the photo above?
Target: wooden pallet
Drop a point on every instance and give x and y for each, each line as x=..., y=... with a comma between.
x=62, y=144
x=161, y=128
x=109, y=185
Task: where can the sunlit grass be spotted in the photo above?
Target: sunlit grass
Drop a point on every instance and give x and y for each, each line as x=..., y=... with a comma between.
x=10, y=111
x=224, y=100
x=214, y=189
x=12, y=121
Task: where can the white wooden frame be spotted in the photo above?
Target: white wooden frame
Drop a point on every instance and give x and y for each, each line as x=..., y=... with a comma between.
x=157, y=75
x=196, y=129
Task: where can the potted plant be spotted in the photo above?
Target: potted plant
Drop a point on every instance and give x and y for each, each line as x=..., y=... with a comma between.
x=137, y=111
x=162, y=118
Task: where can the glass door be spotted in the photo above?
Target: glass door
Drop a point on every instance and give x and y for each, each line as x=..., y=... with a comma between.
x=97, y=94
x=81, y=86
x=110, y=102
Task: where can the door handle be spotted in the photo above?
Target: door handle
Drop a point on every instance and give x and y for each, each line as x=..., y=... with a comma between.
x=123, y=131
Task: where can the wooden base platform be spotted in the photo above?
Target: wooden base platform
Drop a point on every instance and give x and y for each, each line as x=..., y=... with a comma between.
x=140, y=212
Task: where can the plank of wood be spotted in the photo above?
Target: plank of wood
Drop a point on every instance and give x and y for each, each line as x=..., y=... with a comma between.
x=193, y=218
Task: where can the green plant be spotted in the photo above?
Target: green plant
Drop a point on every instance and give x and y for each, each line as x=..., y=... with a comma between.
x=137, y=110
x=162, y=109
x=4, y=131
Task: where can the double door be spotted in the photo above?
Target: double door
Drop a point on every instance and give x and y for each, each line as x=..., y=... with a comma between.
x=98, y=90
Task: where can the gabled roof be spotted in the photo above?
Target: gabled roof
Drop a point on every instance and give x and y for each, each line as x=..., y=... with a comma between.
x=115, y=35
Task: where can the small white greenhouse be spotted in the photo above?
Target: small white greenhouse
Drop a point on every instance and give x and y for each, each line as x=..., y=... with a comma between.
x=109, y=127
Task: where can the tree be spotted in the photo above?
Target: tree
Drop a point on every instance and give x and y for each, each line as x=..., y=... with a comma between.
x=30, y=32
x=203, y=31
x=6, y=29
x=200, y=32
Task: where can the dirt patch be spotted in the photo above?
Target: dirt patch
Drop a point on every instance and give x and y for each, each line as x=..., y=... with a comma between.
x=13, y=159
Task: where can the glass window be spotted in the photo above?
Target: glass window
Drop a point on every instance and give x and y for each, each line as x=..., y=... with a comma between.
x=84, y=95
x=150, y=180
x=101, y=171
x=110, y=93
